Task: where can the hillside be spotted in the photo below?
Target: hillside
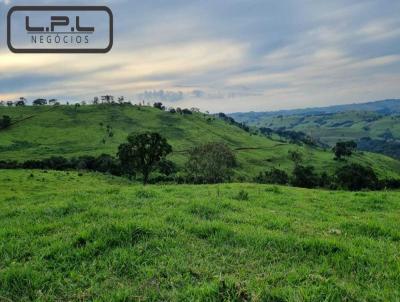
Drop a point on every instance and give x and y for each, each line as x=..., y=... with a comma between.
x=384, y=107
x=91, y=130
x=372, y=131
x=375, y=126
x=67, y=237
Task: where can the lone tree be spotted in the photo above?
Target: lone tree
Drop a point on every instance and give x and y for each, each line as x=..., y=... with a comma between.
x=142, y=153
x=108, y=99
x=343, y=149
x=159, y=105
x=20, y=102
x=210, y=163
x=39, y=102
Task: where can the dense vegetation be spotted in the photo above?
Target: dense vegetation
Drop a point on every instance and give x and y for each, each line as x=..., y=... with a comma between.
x=212, y=163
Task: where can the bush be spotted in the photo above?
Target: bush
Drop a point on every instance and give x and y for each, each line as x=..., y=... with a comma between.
x=343, y=149
x=107, y=164
x=53, y=163
x=210, y=163
x=9, y=164
x=355, y=177
x=304, y=177
x=5, y=122
x=390, y=183
x=274, y=176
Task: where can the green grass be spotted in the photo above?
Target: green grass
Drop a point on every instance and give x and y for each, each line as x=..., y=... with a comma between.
x=71, y=237
x=69, y=132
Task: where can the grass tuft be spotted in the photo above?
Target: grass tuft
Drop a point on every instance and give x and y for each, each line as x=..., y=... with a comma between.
x=242, y=195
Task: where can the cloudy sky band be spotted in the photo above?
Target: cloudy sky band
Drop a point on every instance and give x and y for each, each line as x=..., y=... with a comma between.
x=242, y=55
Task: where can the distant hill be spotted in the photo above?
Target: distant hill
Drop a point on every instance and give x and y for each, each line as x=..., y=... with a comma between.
x=375, y=125
x=385, y=107
x=45, y=131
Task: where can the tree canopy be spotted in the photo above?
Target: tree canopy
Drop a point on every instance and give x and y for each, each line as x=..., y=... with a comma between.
x=142, y=153
x=343, y=149
x=210, y=163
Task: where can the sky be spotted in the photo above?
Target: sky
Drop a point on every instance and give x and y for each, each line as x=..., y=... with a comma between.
x=221, y=55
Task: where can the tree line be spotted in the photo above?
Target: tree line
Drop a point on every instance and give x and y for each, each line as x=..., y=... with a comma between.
x=351, y=176
x=144, y=157
x=103, y=100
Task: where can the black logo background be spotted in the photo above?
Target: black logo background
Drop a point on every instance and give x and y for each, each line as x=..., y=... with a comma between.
x=61, y=8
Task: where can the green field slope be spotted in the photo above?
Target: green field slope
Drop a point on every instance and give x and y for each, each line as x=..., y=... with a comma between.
x=70, y=237
x=373, y=131
x=91, y=130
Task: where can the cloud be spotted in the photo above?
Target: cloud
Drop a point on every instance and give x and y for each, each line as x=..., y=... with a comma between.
x=219, y=56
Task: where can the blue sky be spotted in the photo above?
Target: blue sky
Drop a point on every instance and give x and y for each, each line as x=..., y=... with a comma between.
x=224, y=55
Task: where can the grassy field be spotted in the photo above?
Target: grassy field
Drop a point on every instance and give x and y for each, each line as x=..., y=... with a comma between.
x=71, y=237
x=67, y=131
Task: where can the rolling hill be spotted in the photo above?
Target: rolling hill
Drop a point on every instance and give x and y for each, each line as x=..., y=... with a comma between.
x=44, y=131
x=375, y=126
x=383, y=106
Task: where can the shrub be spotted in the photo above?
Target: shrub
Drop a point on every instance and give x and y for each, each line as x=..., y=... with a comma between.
x=210, y=163
x=356, y=177
x=273, y=176
x=304, y=177
x=107, y=164
x=9, y=164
